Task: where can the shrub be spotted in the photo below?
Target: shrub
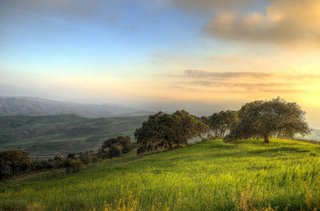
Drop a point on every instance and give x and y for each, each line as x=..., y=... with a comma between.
x=73, y=166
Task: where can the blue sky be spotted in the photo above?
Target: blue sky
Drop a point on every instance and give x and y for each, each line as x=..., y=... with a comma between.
x=162, y=54
x=113, y=34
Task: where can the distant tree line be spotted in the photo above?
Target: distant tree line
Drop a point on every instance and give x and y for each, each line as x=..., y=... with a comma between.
x=258, y=119
x=15, y=162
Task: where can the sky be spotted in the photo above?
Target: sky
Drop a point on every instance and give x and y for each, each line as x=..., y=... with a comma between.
x=203, y=56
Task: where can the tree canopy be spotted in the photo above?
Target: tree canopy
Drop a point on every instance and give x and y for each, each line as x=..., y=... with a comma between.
x=115, y=146
x=269, y=118
x=221, y=122
x=14, y=160
x=168, y=130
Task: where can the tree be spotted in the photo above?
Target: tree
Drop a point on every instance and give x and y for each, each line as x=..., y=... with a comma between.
x=116, y=146
x=125, y=143
x=186, y=127
x=16, y=160
x=168, y=130
x=115, y=150
x=269, y=118
x=156, y=132
x=73, y=166
x=228, y=119
x=2, y=169
x=221, y=122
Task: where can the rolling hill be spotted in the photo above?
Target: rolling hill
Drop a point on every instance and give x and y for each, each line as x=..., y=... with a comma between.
x=212, y=175
x=61, y=134
x=32, y=106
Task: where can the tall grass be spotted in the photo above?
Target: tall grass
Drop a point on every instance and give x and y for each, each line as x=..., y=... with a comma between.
x=282, y=175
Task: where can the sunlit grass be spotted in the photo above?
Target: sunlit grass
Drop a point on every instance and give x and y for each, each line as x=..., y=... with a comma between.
x=209, y=176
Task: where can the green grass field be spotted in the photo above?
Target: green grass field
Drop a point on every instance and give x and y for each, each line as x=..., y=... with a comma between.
x=282, y=175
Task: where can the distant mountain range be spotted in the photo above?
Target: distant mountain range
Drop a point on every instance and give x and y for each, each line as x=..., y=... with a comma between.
x=32, y=106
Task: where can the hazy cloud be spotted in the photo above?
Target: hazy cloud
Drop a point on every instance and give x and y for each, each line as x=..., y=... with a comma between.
x=240, y=87
x=224, y=75
x=284, y=22
x=242, y=82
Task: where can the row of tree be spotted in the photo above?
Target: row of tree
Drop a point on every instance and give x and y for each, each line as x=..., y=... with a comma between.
x=14, y=162
x=258, y=119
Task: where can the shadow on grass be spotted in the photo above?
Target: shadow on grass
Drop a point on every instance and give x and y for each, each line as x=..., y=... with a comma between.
x=223, y=146
x=269, y=152
x=278, y=150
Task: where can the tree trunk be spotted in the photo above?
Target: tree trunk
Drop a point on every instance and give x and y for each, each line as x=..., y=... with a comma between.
x=13, y=170
x=266, y=139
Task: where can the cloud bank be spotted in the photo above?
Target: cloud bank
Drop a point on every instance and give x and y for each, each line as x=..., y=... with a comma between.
x=244, y=82
x=279, y=22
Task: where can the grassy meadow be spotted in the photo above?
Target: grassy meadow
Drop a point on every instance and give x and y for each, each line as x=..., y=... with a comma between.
x=212, y=175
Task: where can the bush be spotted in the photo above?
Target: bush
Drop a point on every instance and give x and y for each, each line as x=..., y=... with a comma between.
x=73, y=166
x=115, y=150
x=116, y=146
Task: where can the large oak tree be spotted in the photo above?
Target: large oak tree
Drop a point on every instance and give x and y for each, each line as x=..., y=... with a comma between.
x=269, y=118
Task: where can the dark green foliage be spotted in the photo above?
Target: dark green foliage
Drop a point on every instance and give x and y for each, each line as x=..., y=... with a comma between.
x=73, y=166
x=71, y=156
x=85, y=158
x=116, y=146
x=13, y=162
x=115, y=151
x=269, y=118
x=221, y=122
x=4, y=169
x=186, y=127
x=165, y=131
x=155, y=133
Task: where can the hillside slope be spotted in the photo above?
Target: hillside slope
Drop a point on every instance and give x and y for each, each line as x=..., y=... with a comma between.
x=282, y=175
x=61, y=134
x=32, y=106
